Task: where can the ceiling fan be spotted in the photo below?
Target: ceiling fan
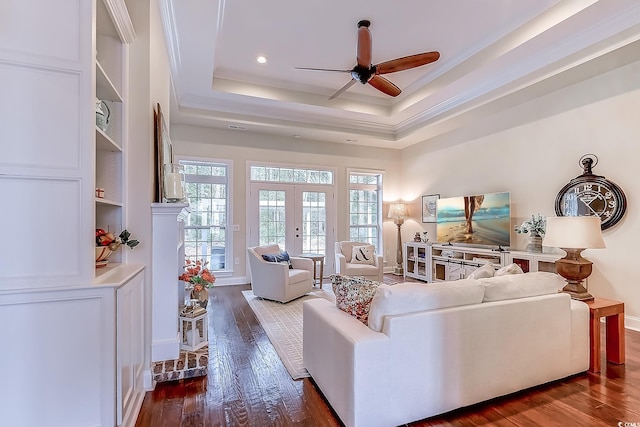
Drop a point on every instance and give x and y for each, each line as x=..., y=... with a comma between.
x=365, y=72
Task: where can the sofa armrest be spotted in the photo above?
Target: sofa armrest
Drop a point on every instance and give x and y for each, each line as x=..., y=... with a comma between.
x=342, y=355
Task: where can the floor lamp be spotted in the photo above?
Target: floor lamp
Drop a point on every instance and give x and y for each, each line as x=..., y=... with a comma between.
x=397, y=212
x=573, y=234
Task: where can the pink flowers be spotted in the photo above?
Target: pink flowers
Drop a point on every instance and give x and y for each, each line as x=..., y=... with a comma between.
x=196, y=272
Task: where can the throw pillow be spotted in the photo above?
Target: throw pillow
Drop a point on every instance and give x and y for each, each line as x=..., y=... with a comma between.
x=406, y=298
x=354, y=295
x=487, y=270
x=513, y=286
x=282, y=257
x=509, y=269
x=363, y=255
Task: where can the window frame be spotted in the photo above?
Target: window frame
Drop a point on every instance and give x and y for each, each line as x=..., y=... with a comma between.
x=229, y=260
x=379, y=189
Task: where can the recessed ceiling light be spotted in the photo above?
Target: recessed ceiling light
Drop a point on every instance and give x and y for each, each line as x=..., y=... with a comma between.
x=296, y=136
x=351, y=140
x=261, y=59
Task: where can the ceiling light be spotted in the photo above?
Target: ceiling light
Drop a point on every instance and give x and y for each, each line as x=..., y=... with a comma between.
x=351, y=140
x=261, y=59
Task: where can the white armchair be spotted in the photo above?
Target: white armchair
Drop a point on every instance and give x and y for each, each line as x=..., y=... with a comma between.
x=276, y=281
x=345, y=267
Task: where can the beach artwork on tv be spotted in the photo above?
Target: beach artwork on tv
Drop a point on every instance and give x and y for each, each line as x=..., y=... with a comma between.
x=483, y=219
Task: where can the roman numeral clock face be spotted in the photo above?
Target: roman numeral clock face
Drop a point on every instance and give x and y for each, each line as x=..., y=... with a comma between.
x=592, y=195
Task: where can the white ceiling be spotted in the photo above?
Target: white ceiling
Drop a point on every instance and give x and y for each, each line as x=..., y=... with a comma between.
x=489, y=49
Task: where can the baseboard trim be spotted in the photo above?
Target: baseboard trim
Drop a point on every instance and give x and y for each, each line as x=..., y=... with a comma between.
x=147, y=380
x=632, y=323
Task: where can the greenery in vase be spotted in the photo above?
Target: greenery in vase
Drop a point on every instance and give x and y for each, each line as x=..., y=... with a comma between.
x=536, y=225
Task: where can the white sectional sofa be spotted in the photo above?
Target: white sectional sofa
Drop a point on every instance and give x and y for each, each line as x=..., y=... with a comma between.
x=443, y=346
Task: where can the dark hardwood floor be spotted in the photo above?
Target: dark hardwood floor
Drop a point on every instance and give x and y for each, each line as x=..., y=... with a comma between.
x=247, y=385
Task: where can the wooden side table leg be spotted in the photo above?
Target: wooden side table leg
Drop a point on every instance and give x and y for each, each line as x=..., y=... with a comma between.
x=321, y=271
x=594, y=351
x=615, y=338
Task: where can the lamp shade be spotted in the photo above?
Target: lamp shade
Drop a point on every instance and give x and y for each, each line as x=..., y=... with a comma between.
x=397, y=210
x=578, y=232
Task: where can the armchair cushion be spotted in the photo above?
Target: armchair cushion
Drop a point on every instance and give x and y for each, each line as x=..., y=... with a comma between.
x=363, y=255
x=282, y=257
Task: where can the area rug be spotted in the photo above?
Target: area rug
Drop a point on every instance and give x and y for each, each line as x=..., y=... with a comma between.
x=283, y=325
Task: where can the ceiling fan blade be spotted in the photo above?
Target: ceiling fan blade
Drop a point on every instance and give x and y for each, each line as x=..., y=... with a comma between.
x=342, y=89
x=322, y=69
x=384, y=86
x=363, y=53
x=407, y=62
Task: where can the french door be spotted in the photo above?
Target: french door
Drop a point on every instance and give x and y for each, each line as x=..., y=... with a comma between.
x=298, y=217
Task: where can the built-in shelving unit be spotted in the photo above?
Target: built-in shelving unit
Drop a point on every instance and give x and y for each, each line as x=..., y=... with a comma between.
x=111, y=70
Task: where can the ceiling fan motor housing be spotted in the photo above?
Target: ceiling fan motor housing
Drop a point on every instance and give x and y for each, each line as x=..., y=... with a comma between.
x=363, y=74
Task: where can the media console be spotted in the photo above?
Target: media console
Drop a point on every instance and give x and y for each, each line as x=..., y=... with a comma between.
x=440, y=262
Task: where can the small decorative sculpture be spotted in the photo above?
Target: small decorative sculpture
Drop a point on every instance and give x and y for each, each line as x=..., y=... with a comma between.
x=425, y=237
x=417, y=238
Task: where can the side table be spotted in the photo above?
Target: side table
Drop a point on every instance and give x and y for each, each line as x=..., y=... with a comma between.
x=613, y=312
x=316, y=258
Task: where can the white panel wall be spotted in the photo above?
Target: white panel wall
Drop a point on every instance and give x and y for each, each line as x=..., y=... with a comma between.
x=48, y=142
x=44, y=238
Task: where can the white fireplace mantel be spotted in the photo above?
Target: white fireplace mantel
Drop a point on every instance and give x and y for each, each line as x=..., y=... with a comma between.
x=167, y=263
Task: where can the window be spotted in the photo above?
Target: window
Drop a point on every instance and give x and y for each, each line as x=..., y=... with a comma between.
x=365, y=208
x=206, y=229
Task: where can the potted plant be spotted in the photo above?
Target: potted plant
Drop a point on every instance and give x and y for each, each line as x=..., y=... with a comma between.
x=535, y=227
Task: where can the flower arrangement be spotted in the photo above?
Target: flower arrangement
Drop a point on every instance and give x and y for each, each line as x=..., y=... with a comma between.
x=198, y=274
x=536, y=225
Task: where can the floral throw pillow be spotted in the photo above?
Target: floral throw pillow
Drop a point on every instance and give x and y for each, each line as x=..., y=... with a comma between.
x=363, y=255
x=354, y=295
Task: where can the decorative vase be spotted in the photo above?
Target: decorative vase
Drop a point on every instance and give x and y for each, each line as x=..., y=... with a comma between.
x=535, y=243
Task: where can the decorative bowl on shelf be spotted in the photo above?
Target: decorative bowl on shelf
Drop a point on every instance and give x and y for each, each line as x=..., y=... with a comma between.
x=102, y=256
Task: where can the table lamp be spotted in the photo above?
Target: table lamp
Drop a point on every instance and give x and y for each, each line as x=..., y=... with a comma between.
x=397, y=212
x=573, y=234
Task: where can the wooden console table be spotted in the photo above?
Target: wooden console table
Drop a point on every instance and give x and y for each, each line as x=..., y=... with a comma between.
x=613, y=312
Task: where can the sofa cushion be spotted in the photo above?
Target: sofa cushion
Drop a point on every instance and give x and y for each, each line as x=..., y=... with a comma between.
x=363, y=255
x=487, y=270
x=354, y=295
x=509, y=269
x=525, y=285
x=413, y=297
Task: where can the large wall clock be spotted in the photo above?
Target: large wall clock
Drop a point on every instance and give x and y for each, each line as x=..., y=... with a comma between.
x=590, y=194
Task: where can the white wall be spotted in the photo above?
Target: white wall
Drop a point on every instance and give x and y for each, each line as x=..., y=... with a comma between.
x=243, y=147
x=538, y=153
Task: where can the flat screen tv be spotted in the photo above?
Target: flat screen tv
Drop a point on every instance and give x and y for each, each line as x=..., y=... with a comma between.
x=483, y=219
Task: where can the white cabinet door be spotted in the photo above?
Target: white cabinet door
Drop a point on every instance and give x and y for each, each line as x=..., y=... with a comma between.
x=130, y=350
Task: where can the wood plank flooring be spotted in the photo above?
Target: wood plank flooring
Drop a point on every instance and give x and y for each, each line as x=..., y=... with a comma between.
x=247, y=385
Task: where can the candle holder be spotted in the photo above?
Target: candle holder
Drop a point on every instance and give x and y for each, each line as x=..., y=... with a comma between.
x=174, y=183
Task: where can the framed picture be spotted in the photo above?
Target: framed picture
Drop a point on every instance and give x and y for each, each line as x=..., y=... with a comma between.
x=429, y=207
x=163, y=152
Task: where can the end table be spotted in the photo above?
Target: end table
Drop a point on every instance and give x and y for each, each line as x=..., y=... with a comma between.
x=316, y=258
x=613, y=312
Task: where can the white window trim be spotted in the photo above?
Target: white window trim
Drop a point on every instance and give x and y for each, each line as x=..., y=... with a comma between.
x=358, y=171
x=230, y=265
